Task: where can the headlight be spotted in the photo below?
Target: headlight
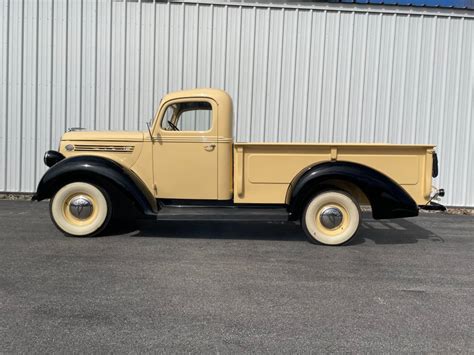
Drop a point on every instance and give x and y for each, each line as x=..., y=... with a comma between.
x=51, y=157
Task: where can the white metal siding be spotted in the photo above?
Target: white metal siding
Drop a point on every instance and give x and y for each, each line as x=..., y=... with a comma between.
x=323, y=73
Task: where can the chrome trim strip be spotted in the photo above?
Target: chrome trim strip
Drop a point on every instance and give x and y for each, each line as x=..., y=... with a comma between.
x=104, y=148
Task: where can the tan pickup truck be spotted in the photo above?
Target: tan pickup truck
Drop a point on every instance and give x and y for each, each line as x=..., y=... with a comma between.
x=188, y=157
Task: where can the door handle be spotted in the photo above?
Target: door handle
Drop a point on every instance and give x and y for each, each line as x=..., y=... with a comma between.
x=209, y=147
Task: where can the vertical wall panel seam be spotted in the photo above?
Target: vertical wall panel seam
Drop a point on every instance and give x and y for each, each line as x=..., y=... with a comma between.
x=81, y=44
x=212, y=46
x=252, y=68
x=168, y=34
x=362, y=81
x=335, y=77
x=401, y=116
x=467, y=186
x=22, y=63
x=139, y=57
x=225, y=46
x=109, y=102
x=265, y=91
x=308, y=73
x=280, y=62
x=349, y=79
x=280, y=69
x=96, y=30
x=443, y=87
x=237, y=99
x=417, y=78
x=431, y=80
x=404, y=92
x=196, y=67
x=295, y=58
x=35, y=143
x=7, y=85
x=454, y=138
x=153, y=70
x=51, y=78
x=183, y=28
x=321, y=77
x=66, y=61
x=377, y=78
x=124, y=83
x=390, y=80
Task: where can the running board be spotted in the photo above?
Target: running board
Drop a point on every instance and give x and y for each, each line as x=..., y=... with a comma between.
x=222, y=214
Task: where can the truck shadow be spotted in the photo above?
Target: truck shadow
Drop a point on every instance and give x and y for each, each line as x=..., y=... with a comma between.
x=400, y=231
x=397, y=231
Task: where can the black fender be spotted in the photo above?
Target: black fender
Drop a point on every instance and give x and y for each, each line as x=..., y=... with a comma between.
x=387, y=198
x=100, y=170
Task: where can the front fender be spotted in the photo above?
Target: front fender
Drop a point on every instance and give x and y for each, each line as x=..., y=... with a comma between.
x=387, y=198
x=96, y=169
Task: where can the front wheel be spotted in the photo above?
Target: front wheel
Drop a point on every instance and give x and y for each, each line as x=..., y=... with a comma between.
x=81, y=209
x=331, y=218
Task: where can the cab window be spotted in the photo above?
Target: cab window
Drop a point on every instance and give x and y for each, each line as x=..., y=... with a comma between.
x=187, y=116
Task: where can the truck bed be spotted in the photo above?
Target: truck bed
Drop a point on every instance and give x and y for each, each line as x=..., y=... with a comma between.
x=263, y=172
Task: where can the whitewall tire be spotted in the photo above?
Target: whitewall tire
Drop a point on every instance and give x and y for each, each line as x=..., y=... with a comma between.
x=81, y=209
x=331, y=218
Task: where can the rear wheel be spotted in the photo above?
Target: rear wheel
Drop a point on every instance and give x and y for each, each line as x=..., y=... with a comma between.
x=331, y=218
x=81, y=209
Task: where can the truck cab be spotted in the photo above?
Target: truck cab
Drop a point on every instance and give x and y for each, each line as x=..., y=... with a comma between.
x=188, y=156
x=192, y=146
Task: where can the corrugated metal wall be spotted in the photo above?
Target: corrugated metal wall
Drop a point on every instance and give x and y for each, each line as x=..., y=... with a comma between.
x=325, y=73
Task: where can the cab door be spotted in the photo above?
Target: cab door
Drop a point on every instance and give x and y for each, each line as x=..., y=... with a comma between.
x=185, y=150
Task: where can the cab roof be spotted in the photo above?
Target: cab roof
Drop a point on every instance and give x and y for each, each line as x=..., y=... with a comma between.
x=218, y=95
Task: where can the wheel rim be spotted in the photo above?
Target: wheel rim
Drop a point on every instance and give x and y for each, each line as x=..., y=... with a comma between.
x=332, y=219
x=80, y=209
x=81, y=206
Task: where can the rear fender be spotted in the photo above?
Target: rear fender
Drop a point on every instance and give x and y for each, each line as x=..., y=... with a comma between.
x=98, y=170
x=387, y=198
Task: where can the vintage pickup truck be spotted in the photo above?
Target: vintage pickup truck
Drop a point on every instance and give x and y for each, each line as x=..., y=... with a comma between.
x=188, y=157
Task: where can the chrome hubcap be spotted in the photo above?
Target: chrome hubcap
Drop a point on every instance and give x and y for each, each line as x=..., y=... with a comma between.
x=81, y=207
x=331, y=217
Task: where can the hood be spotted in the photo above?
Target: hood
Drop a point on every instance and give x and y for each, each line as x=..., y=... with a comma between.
x=109, y=136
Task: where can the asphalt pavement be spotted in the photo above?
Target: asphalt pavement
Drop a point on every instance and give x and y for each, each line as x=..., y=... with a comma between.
x=235, y=286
